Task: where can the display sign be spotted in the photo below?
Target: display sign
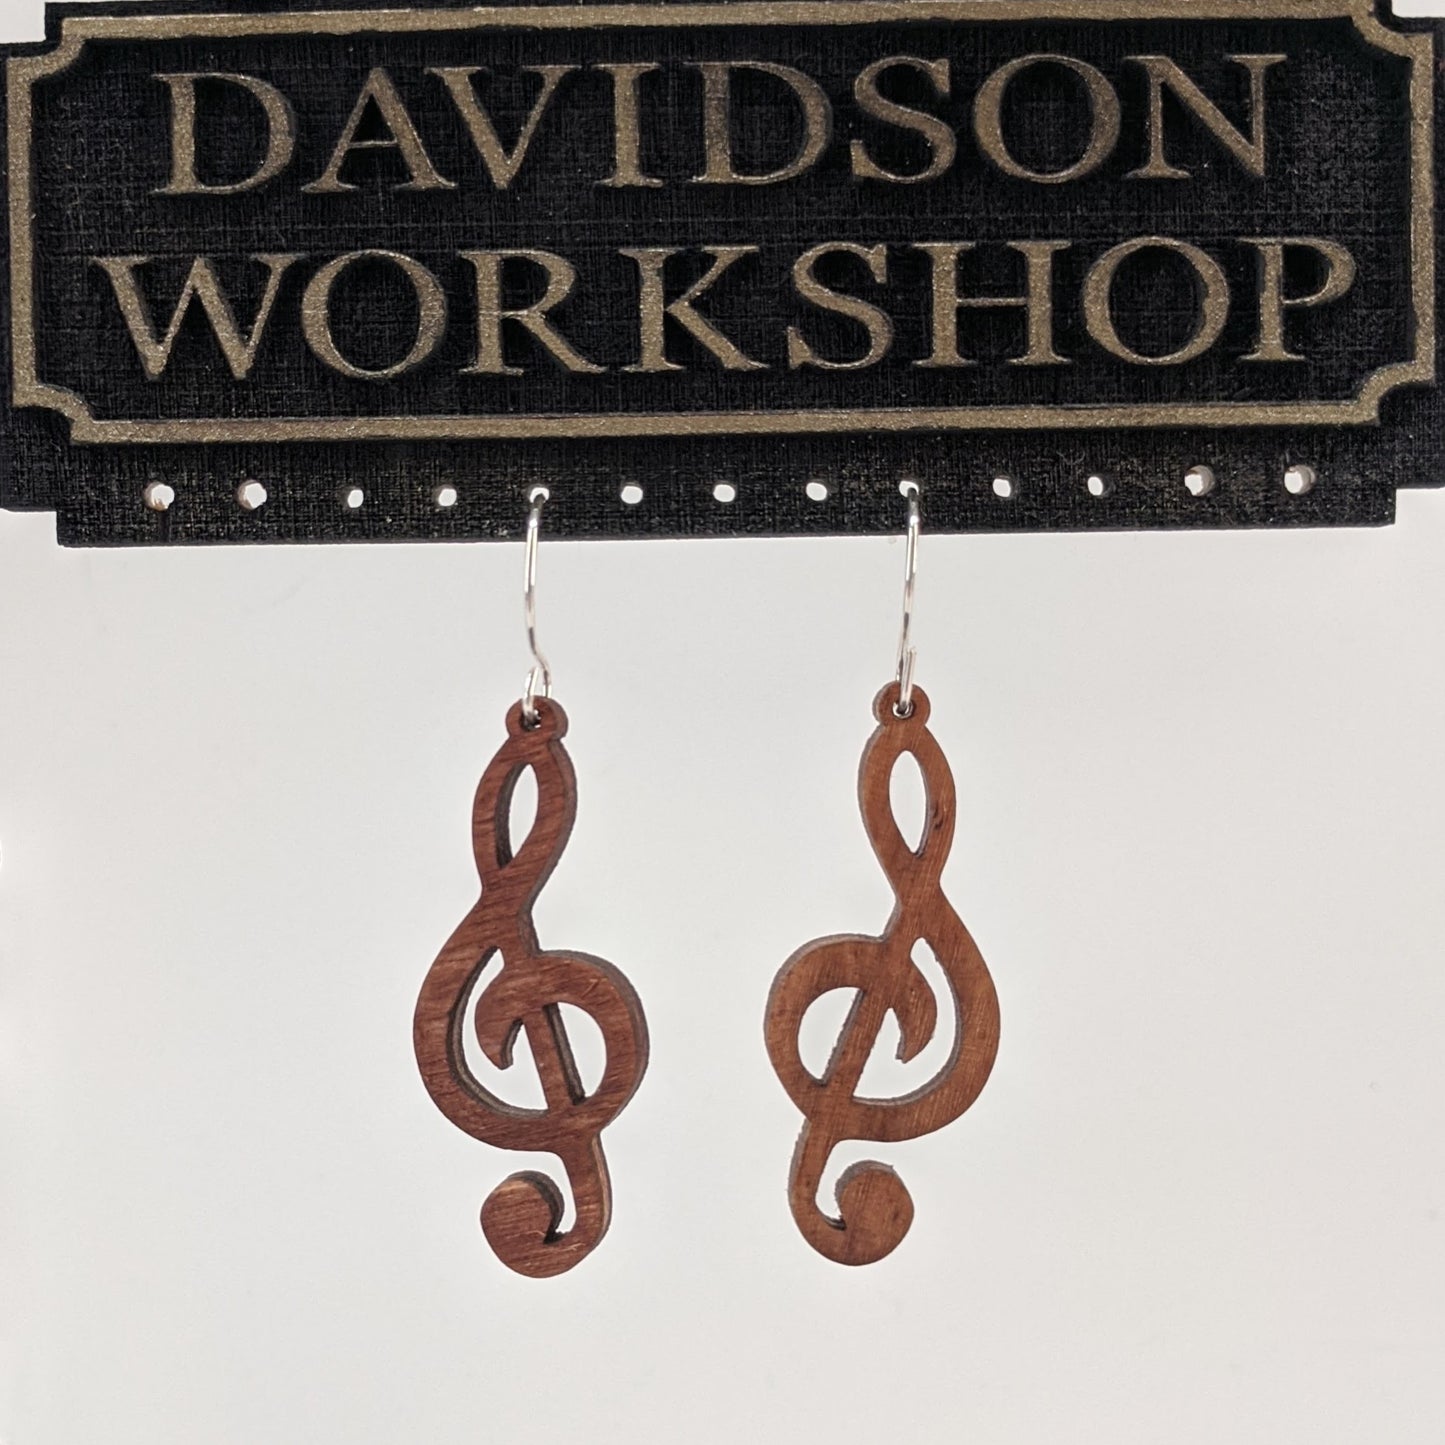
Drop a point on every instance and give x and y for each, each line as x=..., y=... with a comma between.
x=1048, y=257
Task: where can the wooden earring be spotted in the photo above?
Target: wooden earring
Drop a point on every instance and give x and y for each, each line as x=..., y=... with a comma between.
x=522, y=1216
x=875, y=1209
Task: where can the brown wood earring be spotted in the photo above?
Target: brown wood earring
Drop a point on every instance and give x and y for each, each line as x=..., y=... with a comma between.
x=875, y=1209
x=522, y=1216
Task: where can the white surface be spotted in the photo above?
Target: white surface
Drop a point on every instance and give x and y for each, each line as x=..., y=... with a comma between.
x=1202, y=842
x=1201, y=845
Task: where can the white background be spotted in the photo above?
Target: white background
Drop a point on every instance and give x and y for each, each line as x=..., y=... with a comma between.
x=1201, y=844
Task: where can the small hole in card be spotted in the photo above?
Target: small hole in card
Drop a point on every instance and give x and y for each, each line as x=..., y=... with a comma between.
x=352, y=498
x=1200, y=481
x=631, y=494
x=251, y=496
x=724, y=492
x=1299, y=479
x=1004, y=487
x=445, y=497
x=158, y=496
x=817, y=491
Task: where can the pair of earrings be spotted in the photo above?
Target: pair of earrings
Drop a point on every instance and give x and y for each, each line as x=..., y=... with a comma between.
x=522, y=1216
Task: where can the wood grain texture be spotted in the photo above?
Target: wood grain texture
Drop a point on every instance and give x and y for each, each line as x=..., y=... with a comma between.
x=522, y=1216
x=875, y=1208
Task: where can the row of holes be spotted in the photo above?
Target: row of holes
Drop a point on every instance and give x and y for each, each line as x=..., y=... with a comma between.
x=252, y=496
x=1199, y=481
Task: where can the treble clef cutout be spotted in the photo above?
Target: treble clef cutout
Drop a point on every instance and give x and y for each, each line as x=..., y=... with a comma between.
x=522, y=1216
x=875, y=1208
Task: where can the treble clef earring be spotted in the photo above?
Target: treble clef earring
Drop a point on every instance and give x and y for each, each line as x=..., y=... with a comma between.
x=875, y=1209
x=522, y=1216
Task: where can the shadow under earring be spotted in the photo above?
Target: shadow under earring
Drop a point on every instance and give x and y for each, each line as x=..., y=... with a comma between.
x=522, y=1216
x=875, y=1209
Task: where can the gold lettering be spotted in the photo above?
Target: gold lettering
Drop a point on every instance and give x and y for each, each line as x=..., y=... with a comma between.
x=1104, y=120
x=502, y=165
x=1247, y=150
x=1339, y=277
x=280, y=134
x=561, y=278
x=1037, y=302
x=201, y=284
x=627, y=123
x=316, y=314
x=718, y=168
x=872, y=318
x=1213, y=301
x=381, y=92
x=941, y=141
x=654, y=308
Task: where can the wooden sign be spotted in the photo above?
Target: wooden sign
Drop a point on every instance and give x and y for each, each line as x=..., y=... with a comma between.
x=289, y=273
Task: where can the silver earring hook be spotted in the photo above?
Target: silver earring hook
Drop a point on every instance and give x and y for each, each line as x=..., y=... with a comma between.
x=907, y=653
x=539, y=679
